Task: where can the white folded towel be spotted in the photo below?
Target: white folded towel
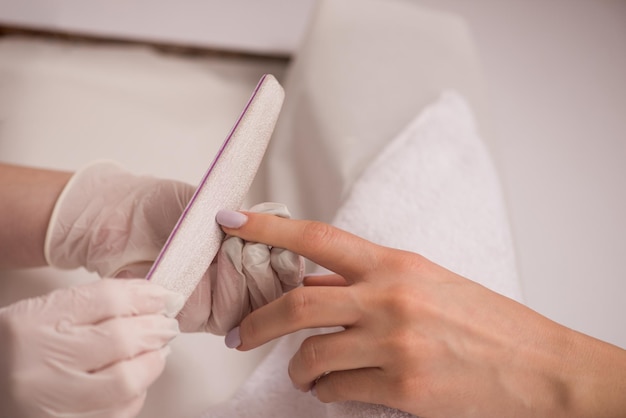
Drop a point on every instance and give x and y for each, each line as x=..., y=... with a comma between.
x=433, y=190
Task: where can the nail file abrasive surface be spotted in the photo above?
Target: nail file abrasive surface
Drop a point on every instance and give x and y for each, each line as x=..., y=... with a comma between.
x=196, y=238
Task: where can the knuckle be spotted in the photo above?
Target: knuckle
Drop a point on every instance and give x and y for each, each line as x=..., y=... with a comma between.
x=401, y=344
x=402, y=302
x=405, y=388
x=407, y=261
x=78, y=294
x=316, y=235
x=310, y=355
x=297, y=303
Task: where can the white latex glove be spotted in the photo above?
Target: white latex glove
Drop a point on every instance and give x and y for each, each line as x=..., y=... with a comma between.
x=85, y=351
x=115, y=223
x=244, y=276
x=107, y=218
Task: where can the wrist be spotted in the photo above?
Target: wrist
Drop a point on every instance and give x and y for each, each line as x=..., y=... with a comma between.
x=597, y=378
x=28, y=196
x=542, y=380
x=579, y=376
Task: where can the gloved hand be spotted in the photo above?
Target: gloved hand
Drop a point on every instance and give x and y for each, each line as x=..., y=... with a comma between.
x=107, y=218
x=85, y=351
x=243, y=277
x=115, y=223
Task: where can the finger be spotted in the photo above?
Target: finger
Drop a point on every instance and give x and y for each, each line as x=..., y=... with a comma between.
x=364, y=385
x=197, y=310
x=229, y=299
x=325, y=280
x=261, y=280
x=94, y=347
x=117, y=384
x=127, y=379
x=320, y=354
x=321, y=243
x=299, y=309
x=289, y=267
x=110, y=298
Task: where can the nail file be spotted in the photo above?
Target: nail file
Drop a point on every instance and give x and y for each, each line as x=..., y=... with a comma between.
x=196, y=238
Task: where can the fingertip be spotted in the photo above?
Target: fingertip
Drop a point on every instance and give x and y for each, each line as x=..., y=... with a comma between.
x=231, y=219
x=159, y=299
x=174, y=302
x=233, y=338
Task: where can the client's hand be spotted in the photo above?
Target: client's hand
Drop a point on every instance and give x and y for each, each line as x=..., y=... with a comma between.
x=115, y=223
x=86, y=351
x=420, y=338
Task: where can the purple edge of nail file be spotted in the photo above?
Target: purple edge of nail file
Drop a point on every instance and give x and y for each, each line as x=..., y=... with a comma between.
x=196, y=238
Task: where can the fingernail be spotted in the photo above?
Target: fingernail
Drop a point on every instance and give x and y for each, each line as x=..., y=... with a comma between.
x=165, y=351
x=314, y=391
x=231, y=218
x=174, y=302
x=233, y=339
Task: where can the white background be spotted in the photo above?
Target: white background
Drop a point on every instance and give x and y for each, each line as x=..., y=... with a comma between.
x=557, y=78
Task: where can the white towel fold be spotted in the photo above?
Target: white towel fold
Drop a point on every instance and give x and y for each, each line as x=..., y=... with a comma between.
x=433, y=190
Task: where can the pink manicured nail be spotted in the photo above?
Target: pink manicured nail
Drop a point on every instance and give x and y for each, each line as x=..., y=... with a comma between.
x=233, y=340
x=231, y=218
x=314, y=391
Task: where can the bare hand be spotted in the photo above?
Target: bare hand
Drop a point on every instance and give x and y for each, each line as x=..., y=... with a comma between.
x=422, y=339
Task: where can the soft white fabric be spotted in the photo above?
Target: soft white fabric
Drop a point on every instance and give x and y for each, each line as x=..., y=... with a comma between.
x=433, y=190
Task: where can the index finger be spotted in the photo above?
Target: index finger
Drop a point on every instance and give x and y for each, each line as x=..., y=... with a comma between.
x=110, y=298
x=330, y=247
